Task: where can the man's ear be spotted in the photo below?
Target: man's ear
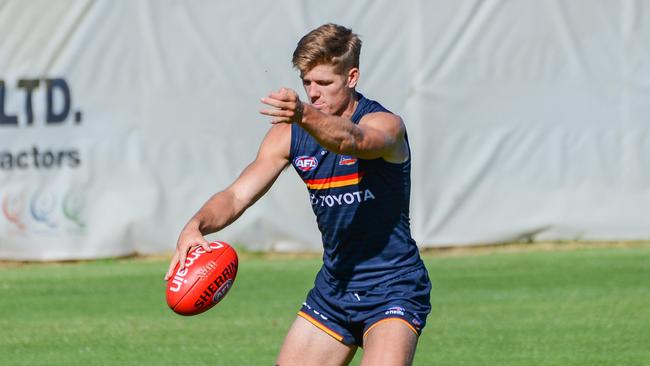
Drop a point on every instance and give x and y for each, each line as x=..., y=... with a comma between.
x=353, y=77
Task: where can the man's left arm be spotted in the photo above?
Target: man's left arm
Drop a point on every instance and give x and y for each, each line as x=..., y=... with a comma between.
x=377, y=135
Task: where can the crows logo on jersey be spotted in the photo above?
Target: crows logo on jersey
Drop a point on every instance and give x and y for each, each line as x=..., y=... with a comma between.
x=347, y=160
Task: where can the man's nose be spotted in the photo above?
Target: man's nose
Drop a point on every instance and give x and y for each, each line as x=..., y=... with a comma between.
x=313, y=92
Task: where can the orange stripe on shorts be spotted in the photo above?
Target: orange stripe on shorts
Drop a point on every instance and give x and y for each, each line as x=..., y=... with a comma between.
x=388, y=319
x=320, y=326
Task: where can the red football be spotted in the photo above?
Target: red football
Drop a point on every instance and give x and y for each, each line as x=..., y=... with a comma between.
x=204, y=281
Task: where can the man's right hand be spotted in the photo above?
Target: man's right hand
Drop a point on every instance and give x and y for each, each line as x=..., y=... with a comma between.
x=226, y=206
x=190, y=238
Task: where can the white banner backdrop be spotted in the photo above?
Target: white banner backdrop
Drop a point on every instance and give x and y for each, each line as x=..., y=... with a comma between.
x=527, y=119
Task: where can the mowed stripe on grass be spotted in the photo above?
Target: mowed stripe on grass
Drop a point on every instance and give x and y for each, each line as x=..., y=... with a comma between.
x=578, y=307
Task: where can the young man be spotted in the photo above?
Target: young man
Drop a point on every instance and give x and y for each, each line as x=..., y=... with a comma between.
x=353, y=155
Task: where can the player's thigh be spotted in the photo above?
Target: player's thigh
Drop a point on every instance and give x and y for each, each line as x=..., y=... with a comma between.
x=390, y=343
x=305, y=344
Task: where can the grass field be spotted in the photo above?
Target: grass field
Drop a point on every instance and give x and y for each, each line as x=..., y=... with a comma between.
x=586, y=306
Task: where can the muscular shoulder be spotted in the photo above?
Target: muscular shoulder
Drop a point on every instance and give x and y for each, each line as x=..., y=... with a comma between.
x=393, y=131
x=387, y=122
x=277, y=142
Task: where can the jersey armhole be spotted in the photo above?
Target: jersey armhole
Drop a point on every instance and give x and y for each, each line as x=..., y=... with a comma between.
x=293, y=144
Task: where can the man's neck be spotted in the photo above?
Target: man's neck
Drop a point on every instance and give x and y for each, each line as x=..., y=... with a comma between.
x=352, y=105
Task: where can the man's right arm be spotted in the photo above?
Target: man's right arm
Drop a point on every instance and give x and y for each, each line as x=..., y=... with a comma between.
x=225, y=207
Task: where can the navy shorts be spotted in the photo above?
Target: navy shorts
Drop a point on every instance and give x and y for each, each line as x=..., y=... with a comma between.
x=349, y=315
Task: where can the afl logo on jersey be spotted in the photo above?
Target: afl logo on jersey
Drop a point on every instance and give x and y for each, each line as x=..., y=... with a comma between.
x=305, y=163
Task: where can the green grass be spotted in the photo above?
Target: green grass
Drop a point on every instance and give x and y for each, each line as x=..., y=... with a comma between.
x=579, y=307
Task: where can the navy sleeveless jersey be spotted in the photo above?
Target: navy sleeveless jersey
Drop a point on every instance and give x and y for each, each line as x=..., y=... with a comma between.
x=362, y=209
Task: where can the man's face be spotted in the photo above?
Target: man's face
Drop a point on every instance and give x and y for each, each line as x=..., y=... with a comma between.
x=327, y=90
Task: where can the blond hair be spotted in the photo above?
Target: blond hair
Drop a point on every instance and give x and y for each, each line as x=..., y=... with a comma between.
x=329, y=44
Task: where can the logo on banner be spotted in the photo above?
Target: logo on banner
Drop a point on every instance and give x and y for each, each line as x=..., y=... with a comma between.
x=73, y=206
x=12, y=209
x=45, y=210
x=41, y=206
